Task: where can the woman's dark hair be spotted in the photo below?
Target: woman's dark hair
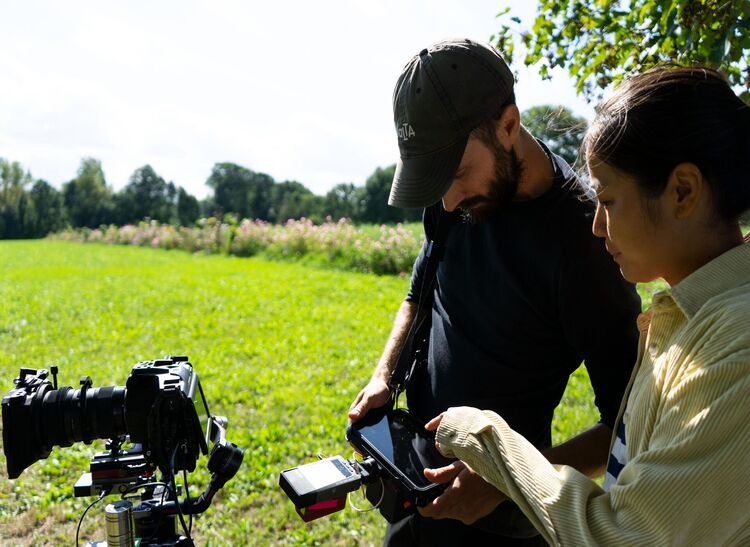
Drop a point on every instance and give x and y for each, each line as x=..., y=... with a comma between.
x=672, y=115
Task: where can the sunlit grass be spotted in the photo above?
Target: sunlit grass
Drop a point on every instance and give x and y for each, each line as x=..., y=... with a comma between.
x=281, y=350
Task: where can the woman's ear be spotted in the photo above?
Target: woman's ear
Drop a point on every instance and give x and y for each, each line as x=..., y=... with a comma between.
x=508, y=126
x=686, y=190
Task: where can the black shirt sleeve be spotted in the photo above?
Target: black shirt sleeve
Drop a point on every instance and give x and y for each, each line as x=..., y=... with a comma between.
x=429, y=219
x=598, y=310
x=417, y=275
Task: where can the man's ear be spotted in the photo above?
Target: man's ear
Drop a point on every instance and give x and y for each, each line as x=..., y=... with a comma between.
x=686, y=188
x=508, y=126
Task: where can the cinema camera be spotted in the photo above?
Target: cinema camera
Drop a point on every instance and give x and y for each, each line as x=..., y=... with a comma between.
x=396, y=450
x=161, y=413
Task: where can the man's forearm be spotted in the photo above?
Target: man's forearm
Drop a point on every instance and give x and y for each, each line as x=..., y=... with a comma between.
x=396, y=340
x=587, y=452
x=377, y=392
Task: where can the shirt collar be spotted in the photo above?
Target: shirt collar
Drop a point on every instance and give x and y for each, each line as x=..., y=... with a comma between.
x=723, y=273
x=563, y=174
x=558, y=172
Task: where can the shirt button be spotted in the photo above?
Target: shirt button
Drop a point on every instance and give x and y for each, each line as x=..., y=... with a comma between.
x=661, y=300
x=653, y=349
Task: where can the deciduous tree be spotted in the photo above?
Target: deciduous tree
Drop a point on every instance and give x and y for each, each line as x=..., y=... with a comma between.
x=374, y=204
x=147, y=195
x=601, y=41
x=188, y=209
x=560, y=129
x=342, y=201
x=87, y=197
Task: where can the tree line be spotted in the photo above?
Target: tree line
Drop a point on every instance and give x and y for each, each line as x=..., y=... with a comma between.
x=32, y=208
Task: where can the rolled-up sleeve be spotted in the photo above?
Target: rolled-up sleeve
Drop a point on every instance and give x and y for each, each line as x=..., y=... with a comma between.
x=690, y=486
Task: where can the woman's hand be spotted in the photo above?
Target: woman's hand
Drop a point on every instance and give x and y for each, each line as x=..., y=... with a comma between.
x=432, y=425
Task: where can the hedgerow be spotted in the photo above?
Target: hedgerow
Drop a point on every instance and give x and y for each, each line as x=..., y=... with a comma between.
x=385, y=250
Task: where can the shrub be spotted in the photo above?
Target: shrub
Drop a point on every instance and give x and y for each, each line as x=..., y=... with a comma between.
x=383, y=250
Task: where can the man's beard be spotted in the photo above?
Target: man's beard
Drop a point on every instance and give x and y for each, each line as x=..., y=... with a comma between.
x=502, y=189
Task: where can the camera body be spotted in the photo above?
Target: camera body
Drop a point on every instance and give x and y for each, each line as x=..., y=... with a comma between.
x=164, y=408
x=161, y=406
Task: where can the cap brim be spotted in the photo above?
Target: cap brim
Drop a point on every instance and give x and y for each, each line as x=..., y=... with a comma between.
x=424, y=180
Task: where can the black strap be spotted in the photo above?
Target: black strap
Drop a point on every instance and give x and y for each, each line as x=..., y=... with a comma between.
x=414, y=351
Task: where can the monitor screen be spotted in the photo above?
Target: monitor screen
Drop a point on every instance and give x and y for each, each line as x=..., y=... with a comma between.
x=407, y=445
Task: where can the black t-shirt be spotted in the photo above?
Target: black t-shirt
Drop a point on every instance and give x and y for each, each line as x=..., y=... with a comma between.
x=520, y=301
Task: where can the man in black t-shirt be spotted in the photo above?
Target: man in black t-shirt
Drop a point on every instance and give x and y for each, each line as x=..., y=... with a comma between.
x=523, y=294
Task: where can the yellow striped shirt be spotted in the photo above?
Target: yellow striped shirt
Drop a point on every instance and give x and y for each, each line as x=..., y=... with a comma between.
x=687, y=423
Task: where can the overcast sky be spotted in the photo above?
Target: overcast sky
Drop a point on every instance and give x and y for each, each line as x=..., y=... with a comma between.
x=297, y=89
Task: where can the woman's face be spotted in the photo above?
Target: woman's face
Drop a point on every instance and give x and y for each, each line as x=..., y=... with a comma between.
x=633, y=235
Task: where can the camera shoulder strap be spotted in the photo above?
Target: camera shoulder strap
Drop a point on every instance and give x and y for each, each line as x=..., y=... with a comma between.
x=414, y=351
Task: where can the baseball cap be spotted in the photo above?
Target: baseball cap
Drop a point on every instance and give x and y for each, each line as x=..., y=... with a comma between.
x=442, y=95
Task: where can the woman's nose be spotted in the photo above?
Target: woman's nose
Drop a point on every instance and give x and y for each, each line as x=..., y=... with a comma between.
x=599, y=226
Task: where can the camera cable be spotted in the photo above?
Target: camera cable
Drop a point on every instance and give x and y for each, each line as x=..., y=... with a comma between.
x=103, y=493
x=187, y=494
x=174, y=490
x=361, y=489
x=165, y=487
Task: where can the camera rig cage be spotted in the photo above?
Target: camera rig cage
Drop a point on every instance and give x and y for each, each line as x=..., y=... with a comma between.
x=161, y=410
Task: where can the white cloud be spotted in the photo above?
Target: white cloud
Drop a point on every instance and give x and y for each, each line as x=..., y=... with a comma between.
x=298, y=90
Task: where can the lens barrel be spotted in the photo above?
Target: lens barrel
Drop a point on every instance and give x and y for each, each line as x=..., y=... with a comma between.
x=71, y=415
x=36, y=417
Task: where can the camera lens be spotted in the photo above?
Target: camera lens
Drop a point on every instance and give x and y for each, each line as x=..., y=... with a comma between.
x=71, y=415
x=34, y=421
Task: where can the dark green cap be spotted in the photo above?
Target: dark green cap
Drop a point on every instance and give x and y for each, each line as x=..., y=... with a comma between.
x=443, y=94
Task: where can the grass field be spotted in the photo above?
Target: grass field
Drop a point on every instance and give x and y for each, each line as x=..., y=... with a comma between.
x=281, y=350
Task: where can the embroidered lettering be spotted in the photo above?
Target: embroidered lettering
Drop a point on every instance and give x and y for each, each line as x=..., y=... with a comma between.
x=405, y=131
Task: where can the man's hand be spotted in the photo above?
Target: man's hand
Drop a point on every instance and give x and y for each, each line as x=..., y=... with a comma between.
x=374, y=395
x=468, y=497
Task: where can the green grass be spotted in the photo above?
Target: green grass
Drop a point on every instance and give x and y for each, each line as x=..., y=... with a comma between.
x=372, y=230
x=281, y=350
x=577, y=410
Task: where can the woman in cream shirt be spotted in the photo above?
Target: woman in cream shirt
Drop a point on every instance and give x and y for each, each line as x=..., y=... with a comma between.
x=669, y=158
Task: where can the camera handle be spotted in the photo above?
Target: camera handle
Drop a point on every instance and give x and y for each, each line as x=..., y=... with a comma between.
x=223, y=462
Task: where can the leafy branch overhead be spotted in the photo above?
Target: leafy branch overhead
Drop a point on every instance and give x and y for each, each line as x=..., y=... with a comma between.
x=560, y=129
x=601, y=41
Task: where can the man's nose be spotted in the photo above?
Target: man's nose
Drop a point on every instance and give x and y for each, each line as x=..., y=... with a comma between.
x=453, y=197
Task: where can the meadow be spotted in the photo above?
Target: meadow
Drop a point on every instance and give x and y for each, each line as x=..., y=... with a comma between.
x=281, y=349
